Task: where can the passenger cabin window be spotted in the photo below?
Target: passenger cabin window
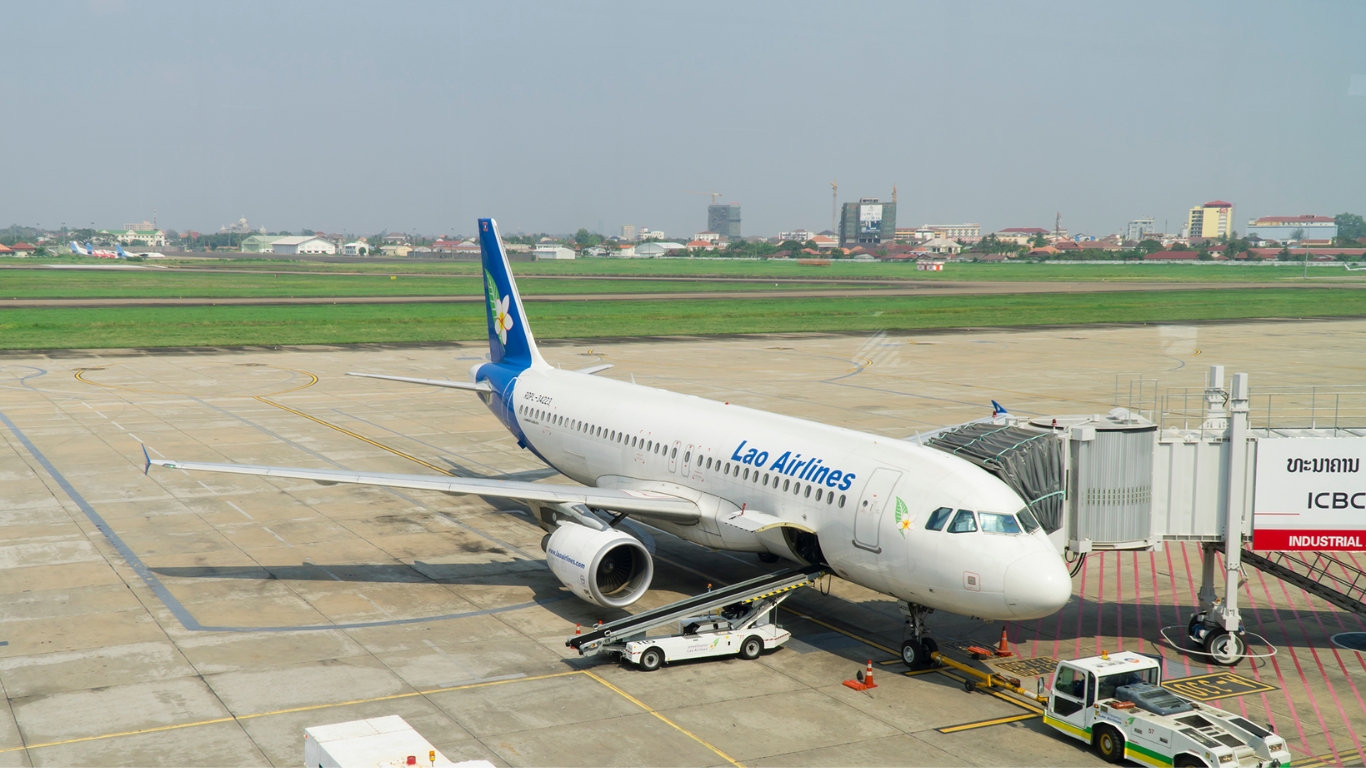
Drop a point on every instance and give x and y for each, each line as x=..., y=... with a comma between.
x=938, y=518
x=841, y=501
x=994, y=523
x=963, y=522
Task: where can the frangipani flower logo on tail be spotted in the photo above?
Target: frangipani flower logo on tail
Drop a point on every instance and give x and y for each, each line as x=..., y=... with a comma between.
x=903, y=517
x=499, y=310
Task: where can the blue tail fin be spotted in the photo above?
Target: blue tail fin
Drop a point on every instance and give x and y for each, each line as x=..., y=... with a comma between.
x=510, y=340
x=119, y=250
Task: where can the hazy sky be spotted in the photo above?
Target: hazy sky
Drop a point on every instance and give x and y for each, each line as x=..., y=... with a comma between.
x=421, y=117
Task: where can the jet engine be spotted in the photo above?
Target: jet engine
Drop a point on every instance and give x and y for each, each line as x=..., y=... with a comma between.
x=609, y=568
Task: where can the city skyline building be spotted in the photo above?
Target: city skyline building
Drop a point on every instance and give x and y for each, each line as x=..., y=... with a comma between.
x=1139, y=229
x=1213, y=219
x=867, y=222
x=1283, y=228
x=724, y=220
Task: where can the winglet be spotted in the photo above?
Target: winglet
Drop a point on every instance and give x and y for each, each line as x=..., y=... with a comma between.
x=146, y=467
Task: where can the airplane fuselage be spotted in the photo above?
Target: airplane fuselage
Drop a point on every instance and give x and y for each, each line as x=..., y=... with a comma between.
x=866, y=498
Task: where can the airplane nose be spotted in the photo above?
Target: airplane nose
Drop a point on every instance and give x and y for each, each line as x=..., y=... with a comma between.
x=1037, y=585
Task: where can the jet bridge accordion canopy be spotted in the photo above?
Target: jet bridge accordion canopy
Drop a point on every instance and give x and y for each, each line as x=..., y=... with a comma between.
x=1028, y=459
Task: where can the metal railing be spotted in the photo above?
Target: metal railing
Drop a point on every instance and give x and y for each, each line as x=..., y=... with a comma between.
x=1334, y=407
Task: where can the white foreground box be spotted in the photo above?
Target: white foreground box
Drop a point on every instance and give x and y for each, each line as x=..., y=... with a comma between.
x=380, y=742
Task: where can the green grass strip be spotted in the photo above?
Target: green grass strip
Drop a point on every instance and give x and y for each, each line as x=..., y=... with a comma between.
x=349, y=324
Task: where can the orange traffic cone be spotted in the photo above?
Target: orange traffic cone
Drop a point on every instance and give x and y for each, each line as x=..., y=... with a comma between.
x=578, y=629
x=1004, y=649
x=864, y=681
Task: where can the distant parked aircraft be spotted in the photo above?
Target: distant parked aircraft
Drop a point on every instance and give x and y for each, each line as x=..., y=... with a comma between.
x=89, y=250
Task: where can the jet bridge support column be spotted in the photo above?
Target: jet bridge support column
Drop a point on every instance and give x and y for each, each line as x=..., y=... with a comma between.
x=1218, y=626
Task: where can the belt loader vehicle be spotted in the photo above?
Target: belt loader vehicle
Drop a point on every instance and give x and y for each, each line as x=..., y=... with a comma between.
x=1116, y=703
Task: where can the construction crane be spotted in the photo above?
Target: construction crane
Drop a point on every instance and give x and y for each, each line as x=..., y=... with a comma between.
x=714, y=195
x=834, y=202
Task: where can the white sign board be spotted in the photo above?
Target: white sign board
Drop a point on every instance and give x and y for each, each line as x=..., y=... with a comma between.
x=1310, y=494
x=870, y=218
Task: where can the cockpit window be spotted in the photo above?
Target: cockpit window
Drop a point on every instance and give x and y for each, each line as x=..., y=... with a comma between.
x=938, y=518
x=1027, y=519
x=994, y=523
x=963, y=522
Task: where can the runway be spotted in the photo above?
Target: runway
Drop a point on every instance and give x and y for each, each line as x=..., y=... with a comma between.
x=170, y=618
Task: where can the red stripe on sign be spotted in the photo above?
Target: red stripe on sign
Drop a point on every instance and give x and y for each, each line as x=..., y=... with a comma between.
x=1291, y=539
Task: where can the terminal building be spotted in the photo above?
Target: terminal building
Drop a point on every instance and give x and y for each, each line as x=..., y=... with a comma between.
x=724, y=220
x=869, y=221
x=1296, y=228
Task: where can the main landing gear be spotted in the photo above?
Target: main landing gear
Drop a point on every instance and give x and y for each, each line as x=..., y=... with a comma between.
x=916, y=648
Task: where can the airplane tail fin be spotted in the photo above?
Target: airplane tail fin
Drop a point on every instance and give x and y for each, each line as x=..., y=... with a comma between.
x=998, y=411
x=76, y=248
x=510, y=339
x=119, y=250
x=89, y=249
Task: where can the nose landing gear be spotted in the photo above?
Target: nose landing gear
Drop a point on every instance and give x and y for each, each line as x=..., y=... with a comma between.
x=916, y=648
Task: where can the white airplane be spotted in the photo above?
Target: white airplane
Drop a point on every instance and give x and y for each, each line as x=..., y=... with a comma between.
x=89, y=250
x=929, y=529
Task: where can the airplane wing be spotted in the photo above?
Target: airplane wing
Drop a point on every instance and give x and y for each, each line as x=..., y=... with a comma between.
x=648, y=504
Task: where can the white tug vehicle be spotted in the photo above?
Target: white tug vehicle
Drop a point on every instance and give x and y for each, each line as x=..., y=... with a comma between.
x=1116, y=702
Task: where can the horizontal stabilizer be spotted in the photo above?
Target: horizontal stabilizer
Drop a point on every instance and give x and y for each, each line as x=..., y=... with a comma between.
x=480, y=386
x=594, y=368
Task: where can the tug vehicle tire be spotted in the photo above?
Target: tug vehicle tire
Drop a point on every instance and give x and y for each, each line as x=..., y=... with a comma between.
x=1109, y=744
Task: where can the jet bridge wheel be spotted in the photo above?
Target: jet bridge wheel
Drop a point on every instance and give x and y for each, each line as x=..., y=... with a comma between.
x=1225, y=648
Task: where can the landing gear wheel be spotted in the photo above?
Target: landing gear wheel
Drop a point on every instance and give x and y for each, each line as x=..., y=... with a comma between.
x=651, y=659
x=1225, y=648
x=751, y=648
x=1110, y=745
x=913, y=655
x=1186, y=761
x=1195, y=628
x=767, y=557
x=931, y=648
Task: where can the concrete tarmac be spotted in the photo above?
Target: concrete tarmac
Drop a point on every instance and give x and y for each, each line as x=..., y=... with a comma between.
x=176, y=618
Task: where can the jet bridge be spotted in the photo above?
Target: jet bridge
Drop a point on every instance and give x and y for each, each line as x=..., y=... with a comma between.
x=1280, y=476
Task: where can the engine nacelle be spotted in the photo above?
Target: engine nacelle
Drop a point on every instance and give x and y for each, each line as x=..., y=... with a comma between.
x=609, y=568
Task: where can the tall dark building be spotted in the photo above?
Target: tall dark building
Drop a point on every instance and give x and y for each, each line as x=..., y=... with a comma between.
x=724, y=220
x=867, y=222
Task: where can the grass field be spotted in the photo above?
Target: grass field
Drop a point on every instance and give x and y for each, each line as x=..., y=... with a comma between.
x=344, y=324
x=462, y=278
